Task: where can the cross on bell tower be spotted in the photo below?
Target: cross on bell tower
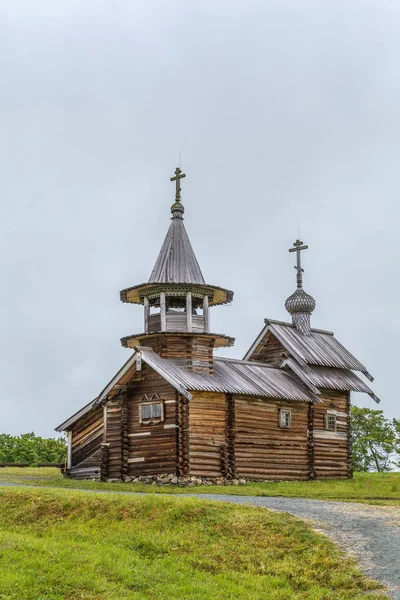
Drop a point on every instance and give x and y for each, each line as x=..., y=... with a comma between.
x=177, y=207
x=178, y=176
x=298, y=247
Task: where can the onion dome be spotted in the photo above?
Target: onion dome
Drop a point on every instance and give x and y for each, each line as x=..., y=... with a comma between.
x=177, y=210
x=300, y=302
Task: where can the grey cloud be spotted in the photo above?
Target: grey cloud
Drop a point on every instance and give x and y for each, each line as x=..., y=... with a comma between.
x=286, y=116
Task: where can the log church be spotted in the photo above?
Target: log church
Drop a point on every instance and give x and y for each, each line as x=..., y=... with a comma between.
x=177, y=407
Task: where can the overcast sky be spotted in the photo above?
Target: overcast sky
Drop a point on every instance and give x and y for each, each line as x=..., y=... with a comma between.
x=287, y=115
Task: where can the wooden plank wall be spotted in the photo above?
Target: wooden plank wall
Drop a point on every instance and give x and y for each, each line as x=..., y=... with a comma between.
x=207, y=433
x=152, y=448
x=270, y=351
x=87, y=435
x=263, y=450
x=113, y=438
x=331, y=448
x=196, y=350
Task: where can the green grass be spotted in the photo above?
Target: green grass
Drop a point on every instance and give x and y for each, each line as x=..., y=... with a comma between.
x=68, y=545
x=369, y=488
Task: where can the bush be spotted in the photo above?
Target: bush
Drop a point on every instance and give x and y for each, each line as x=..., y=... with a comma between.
x=31, y=449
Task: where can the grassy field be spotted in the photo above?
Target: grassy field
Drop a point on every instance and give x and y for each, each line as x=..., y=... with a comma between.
x=68, y=545
x=369, y=488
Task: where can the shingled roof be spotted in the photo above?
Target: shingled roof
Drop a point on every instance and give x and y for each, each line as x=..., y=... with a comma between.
x=232, y=376
x=177, y=262
x=319, y=348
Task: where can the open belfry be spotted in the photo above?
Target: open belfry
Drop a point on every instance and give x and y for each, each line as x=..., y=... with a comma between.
x=178, y=410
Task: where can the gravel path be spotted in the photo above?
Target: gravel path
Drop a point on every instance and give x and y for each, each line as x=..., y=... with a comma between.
x=369, y=533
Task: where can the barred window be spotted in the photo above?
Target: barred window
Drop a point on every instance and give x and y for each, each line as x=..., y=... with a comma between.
x=151, y=412
x=285, y=418
x=330, y=422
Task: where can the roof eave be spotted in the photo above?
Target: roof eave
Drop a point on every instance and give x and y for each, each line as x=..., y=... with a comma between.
x=136, y=339
x=286, y=324
x=136, y=293
x=75, y=417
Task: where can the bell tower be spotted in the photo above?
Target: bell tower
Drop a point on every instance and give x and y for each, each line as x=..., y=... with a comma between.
x=176, y=300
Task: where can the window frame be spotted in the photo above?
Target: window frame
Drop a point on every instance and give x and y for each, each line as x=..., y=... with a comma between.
x=151, y=420
x=330, y=415
x=282, y=412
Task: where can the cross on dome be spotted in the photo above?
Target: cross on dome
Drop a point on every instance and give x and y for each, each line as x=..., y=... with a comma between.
x=298, y=247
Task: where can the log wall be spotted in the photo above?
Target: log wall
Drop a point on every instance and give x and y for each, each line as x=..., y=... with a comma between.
x=263, y=450
x=87, y=436
x=152, y=447
x=207, y=433
x=331, y=448
x=197, y=351
x=183, y=440
x=211, y=435
x=113, y=438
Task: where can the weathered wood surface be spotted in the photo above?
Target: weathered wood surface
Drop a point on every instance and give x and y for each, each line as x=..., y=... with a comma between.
x=183, y=440
x=207, y=430
x=113, y=438
x=124, y=433
x=84, y=473
x=104, y=462
x=230, y=435
x=270, y=351
x=211, y=435
x=87, y=436
x=152, y=447
x=176, y=321
x=197, y=351
x=263, y=450
x=331, y=448
x=310, y=441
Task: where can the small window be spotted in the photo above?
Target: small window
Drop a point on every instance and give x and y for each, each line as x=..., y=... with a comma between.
x=151, y=412
x=330, y=422
x=285, y=418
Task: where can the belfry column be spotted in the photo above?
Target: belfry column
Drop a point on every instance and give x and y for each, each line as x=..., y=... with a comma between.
x=206, y=314
x=189, y=312
x=163, y=308
x=146, y=305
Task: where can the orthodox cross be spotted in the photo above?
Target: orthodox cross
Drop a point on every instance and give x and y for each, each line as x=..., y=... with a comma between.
x=178, y=176
x=298, y=247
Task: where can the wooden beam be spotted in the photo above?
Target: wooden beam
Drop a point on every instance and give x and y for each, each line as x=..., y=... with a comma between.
x=206, y=314
x=105, y=423
x=146, y=305
x=69, y=455
x=163, y=312
x=189, y=312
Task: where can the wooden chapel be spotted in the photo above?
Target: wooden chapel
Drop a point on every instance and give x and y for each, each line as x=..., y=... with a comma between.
x=176, y=408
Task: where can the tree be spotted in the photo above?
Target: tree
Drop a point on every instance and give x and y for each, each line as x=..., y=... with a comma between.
x=396, y=424
x=375, y=440
x=31, y=449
